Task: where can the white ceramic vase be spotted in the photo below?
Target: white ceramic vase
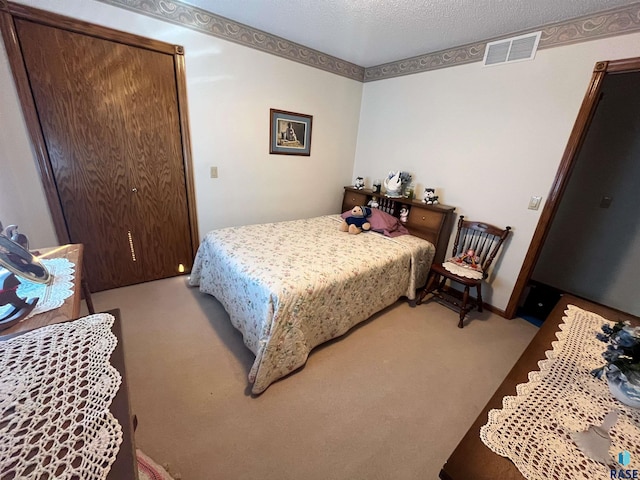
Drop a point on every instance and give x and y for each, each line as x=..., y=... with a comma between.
x=626, y=392
x=393, y=185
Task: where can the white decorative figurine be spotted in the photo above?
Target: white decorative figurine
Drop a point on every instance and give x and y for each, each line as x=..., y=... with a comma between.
x=404, y=214
x=430, y=197
x=393, y=184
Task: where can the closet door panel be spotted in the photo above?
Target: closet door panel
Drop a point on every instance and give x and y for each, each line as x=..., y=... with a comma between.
x=109, y=116
x=81, y=115
x=157, y=168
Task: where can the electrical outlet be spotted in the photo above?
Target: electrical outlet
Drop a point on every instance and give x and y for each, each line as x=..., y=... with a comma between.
x=213, y=172
x=534, y=203
x=605, y=202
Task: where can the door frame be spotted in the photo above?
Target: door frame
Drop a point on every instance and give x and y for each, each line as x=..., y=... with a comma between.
x=9, y=11
x=569, y=158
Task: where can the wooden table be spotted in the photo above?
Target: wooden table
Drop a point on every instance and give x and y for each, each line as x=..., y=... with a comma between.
x=125, y=466
x=472, y=459
x=71, y=307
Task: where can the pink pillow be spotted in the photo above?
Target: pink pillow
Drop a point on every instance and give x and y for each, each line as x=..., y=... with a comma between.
x=384, y=223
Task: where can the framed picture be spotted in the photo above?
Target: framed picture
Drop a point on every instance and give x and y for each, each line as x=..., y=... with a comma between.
x=290, y=133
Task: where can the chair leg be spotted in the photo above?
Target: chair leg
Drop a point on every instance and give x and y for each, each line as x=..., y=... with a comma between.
x=463, y=306
x=433, y=278
x=479, y=287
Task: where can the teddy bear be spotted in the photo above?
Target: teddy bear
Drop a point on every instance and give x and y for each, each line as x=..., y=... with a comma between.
x=357, y=222
x=430, y=197
x=359, y=184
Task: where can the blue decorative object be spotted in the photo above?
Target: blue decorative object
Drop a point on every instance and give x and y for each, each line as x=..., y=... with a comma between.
x=622, y=357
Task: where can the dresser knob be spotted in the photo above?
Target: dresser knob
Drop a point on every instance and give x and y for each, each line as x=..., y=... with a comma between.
x=424, y=218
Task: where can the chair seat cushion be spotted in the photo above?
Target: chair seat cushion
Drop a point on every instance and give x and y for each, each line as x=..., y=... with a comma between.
x=441, y=270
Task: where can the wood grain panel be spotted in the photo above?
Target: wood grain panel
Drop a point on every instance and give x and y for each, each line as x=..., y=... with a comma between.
x=112, y=127
x=181, y=82
x=81, y=111
x=351, y=199
x=425, y=219
x=157, y=170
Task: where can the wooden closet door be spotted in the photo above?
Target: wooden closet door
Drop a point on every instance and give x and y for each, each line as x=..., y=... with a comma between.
x=108, y=113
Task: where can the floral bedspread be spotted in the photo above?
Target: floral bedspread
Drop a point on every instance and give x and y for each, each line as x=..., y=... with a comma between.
x=290, y=286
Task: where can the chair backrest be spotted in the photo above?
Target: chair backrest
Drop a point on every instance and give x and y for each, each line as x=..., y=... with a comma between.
x=484, y=239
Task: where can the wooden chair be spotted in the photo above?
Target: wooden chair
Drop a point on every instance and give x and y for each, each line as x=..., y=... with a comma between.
x=485, y=240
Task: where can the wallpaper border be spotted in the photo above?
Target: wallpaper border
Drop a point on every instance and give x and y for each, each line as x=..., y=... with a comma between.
x=609, y=23
x=617, y=21
x=206, y=22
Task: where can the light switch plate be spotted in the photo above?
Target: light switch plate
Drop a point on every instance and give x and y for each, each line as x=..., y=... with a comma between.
x=534, y=203
x=214, y=172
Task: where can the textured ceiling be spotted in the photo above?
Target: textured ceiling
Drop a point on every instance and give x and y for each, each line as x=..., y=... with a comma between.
x=373, y=32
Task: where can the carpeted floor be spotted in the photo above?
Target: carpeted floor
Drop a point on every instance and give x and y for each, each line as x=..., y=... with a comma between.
x=391, y=399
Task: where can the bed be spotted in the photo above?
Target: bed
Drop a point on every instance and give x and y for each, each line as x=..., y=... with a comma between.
x=290, y=286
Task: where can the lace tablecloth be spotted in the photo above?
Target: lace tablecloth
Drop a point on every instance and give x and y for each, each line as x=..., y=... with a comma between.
x=52, y=294
x=56, y=386
x=533, y=428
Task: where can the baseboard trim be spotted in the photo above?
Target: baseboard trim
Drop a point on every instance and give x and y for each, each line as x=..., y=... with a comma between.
x=485, y=305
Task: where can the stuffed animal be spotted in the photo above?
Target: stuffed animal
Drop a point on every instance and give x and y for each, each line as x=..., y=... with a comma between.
x=373, y=203
x=359, y=183
x=357, y=222
x=430, y=197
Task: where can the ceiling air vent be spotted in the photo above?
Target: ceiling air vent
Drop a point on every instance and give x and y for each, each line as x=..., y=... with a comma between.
x=515, y=49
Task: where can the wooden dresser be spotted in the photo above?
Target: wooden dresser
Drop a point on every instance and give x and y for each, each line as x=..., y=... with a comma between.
x=472, y=459
x=431, y=222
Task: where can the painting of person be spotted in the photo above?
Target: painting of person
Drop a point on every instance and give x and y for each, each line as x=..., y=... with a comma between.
x=291, y=134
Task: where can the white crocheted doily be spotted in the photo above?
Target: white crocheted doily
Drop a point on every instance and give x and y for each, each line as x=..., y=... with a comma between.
x=462, y=271
x=533, y=428
x=56, y=386
x=50, y=295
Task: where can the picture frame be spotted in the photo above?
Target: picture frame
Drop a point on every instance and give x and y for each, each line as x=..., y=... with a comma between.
x=289, y=133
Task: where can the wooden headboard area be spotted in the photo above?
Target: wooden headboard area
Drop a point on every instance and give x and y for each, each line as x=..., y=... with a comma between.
x=431, y=222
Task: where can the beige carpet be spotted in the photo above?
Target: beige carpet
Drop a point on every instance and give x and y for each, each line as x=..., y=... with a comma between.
x=389, y=400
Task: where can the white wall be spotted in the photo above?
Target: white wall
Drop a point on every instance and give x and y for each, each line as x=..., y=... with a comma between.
x=22, y=199
x=591, y=251
x=230, y=90
x=487, y=138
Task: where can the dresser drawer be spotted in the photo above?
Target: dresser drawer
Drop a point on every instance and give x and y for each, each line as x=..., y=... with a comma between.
x=351, y=199
x=424, y=219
